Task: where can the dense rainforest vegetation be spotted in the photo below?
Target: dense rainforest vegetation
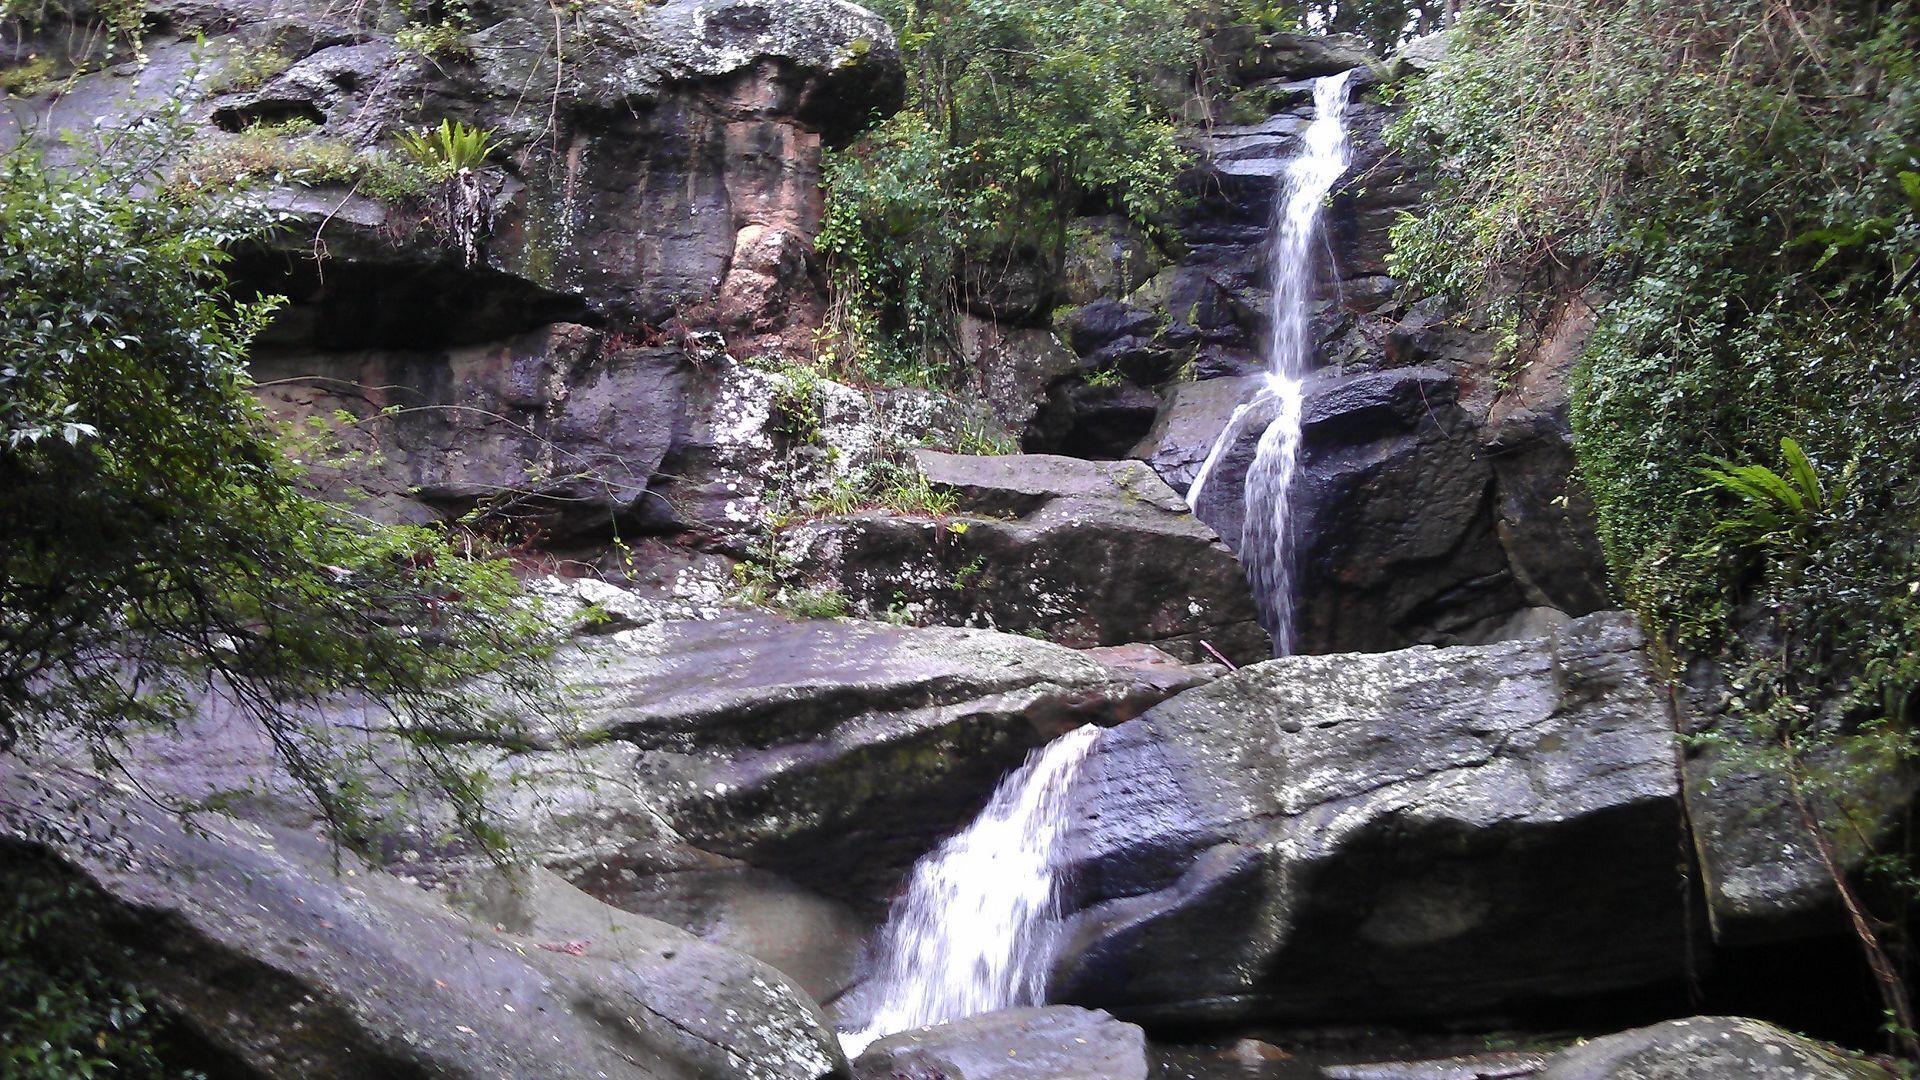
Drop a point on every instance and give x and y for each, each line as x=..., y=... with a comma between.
x=1735, y=188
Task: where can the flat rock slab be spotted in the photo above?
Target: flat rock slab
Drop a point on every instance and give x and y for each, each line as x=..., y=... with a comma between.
x=1706, y=1048
x=1427, y=832
x=1086, y=553
x=1055, y=1043
x=837, y=752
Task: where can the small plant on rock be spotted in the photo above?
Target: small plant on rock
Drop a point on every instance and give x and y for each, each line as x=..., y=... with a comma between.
x=450, y=149
x=454, y=153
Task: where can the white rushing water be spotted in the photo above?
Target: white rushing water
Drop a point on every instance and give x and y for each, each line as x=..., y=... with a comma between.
x=977, y=926
x=1267, y=541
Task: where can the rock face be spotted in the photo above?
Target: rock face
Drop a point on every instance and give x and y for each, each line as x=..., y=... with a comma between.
x=553, y=422
x=1085, y=553
x=669, y=178
x=834, y=752
x=246, y=934
x=1058, y=1043
x=1706, y=1048
x=1420, y=833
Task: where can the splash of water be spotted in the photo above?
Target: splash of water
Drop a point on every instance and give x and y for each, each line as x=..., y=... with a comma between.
x=1267, y=541
x=977, y=927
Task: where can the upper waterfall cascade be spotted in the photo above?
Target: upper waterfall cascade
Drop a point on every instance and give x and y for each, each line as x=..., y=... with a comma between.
x=1267, y=544
x=977, y=928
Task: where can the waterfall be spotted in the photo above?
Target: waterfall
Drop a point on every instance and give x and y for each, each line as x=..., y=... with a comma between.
x=976, y=929
x=1267, y=542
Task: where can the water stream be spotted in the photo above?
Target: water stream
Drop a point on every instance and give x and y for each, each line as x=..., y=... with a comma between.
x=977, y=927
x=1267, y=541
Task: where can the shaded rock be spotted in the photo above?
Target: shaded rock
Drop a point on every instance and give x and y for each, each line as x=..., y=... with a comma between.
x=1250, y=56
x=1421, y=55
x=1761, y=867
x=1545, y=517
x=1106, y=257
x=1421, y=833
x=832, y=752
x=249, y=935
x=1099, y=422
x=1013, y=367
x=1056, y=1043
x=563, y=428
x=1010, y=286
x=1084, y=553
x=1706, y=1048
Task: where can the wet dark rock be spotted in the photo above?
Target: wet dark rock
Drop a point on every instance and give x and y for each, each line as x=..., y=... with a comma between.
x=1056, y=1043
x=1192, y=417
x=298, y=960
x=1421, y=833
x=1707, y=1048
x=1084, y=553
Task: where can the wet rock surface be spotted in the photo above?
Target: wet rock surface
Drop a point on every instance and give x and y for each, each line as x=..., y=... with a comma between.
x=1416, y=833
x=1706, y=1048
x=1083, y=553
x=1056, y=1043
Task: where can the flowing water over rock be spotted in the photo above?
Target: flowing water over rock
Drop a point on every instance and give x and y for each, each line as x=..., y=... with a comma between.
x=1267, y=543
x=976, y=928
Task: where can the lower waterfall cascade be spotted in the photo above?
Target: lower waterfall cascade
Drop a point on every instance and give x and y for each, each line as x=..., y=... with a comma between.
x=977, y=927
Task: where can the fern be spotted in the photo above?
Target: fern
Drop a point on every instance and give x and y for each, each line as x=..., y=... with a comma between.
x=1775, y=511
x=450, y=149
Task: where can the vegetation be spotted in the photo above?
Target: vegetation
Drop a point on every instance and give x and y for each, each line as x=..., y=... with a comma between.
x=1019, y=117
x=61, y=1017
x=450, y=149
x=290, y=152
x=250, y=67
x=156, y=548
x=1734, y=185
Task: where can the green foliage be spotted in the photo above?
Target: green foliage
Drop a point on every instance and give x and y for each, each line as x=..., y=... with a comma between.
x=107, y=26
x=35, y=75
x=452, y=148
x=155, y=546
x=1777, y=512
x=61, y=1017
x=1020, y=116
x=289, y=153
x=1735, y=185
x=249, y=67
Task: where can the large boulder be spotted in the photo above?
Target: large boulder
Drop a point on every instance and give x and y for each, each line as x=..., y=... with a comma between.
x=1707, y=1048
x=832, y=752
x=1422, y=833
x=1057, y=1043
x=1085, y=553
x=299, y=961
